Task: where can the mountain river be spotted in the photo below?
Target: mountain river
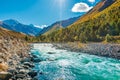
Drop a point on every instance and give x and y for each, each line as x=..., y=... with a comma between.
x=59, y=64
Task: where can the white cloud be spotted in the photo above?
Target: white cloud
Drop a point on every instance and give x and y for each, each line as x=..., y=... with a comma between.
x=42, y=26
x=92, y=1
x=81, y=7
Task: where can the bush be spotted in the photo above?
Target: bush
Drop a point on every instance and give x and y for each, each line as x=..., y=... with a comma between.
x=108, y=38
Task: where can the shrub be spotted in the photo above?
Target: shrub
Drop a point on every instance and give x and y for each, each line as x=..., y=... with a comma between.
x=108, y=38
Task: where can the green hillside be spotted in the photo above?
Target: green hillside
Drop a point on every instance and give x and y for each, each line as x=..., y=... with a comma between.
x=103, y=25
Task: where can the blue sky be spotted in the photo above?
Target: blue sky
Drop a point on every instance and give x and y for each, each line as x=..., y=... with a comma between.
x=43, y=12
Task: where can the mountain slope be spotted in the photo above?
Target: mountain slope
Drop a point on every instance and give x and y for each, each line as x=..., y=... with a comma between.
x=7, y=33
x=18, y=27
x=57, y=25
x=96, y=25
x=98, y=8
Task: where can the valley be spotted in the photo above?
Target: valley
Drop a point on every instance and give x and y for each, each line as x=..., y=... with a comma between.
x=85, y=47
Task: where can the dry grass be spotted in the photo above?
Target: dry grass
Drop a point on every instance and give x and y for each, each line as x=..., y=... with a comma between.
x=6, y=33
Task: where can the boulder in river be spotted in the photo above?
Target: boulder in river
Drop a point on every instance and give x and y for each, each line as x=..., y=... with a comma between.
x=37, y=60
x=21, y=76
x=34, y=78
x=23, y=71
x=32, y=74
x=28, y=64
x=51, y=53
x=34, y=56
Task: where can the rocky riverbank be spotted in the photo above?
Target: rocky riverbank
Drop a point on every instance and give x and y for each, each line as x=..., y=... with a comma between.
x=100, y=49
x=15, y=61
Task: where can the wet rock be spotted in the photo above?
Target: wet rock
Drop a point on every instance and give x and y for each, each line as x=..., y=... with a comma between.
x=34, y=56
x=37, y=60
x=34, y=78
x=51, y=53
x=32, y=74
x=29, y=79
x=19, y=67
x=21, y=76
x=26, y=67
x=23, y=71
x=26, y=60
x=28, y=64
x=49, y=59
x=41, y=73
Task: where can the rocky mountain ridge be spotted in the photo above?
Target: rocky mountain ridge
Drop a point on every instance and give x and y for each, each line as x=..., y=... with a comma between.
x=16, y=26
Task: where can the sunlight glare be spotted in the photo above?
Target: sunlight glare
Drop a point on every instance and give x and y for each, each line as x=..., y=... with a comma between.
x=61, y=2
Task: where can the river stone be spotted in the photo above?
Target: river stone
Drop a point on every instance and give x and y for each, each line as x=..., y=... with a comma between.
x=26, y=67
x=36, y=60
x=21, y=76
x=23, y=71
x=32, y=74
x=19, y=67
x=34, y=78
x=51, y=53
x=34, y=56
x=41, y=73
x=28, y=64
x=5, y=75
x=26, y=60
x=13, y=71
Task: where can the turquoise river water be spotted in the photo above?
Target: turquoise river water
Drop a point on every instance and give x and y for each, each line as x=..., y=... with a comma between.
x=57, y=64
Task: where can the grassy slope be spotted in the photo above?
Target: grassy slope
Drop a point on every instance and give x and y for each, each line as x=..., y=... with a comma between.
x=95, y=11
x=8, y=33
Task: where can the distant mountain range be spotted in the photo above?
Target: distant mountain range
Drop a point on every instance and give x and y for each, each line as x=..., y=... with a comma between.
x=32, y=30
x=16, y=26
x=59, y=24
